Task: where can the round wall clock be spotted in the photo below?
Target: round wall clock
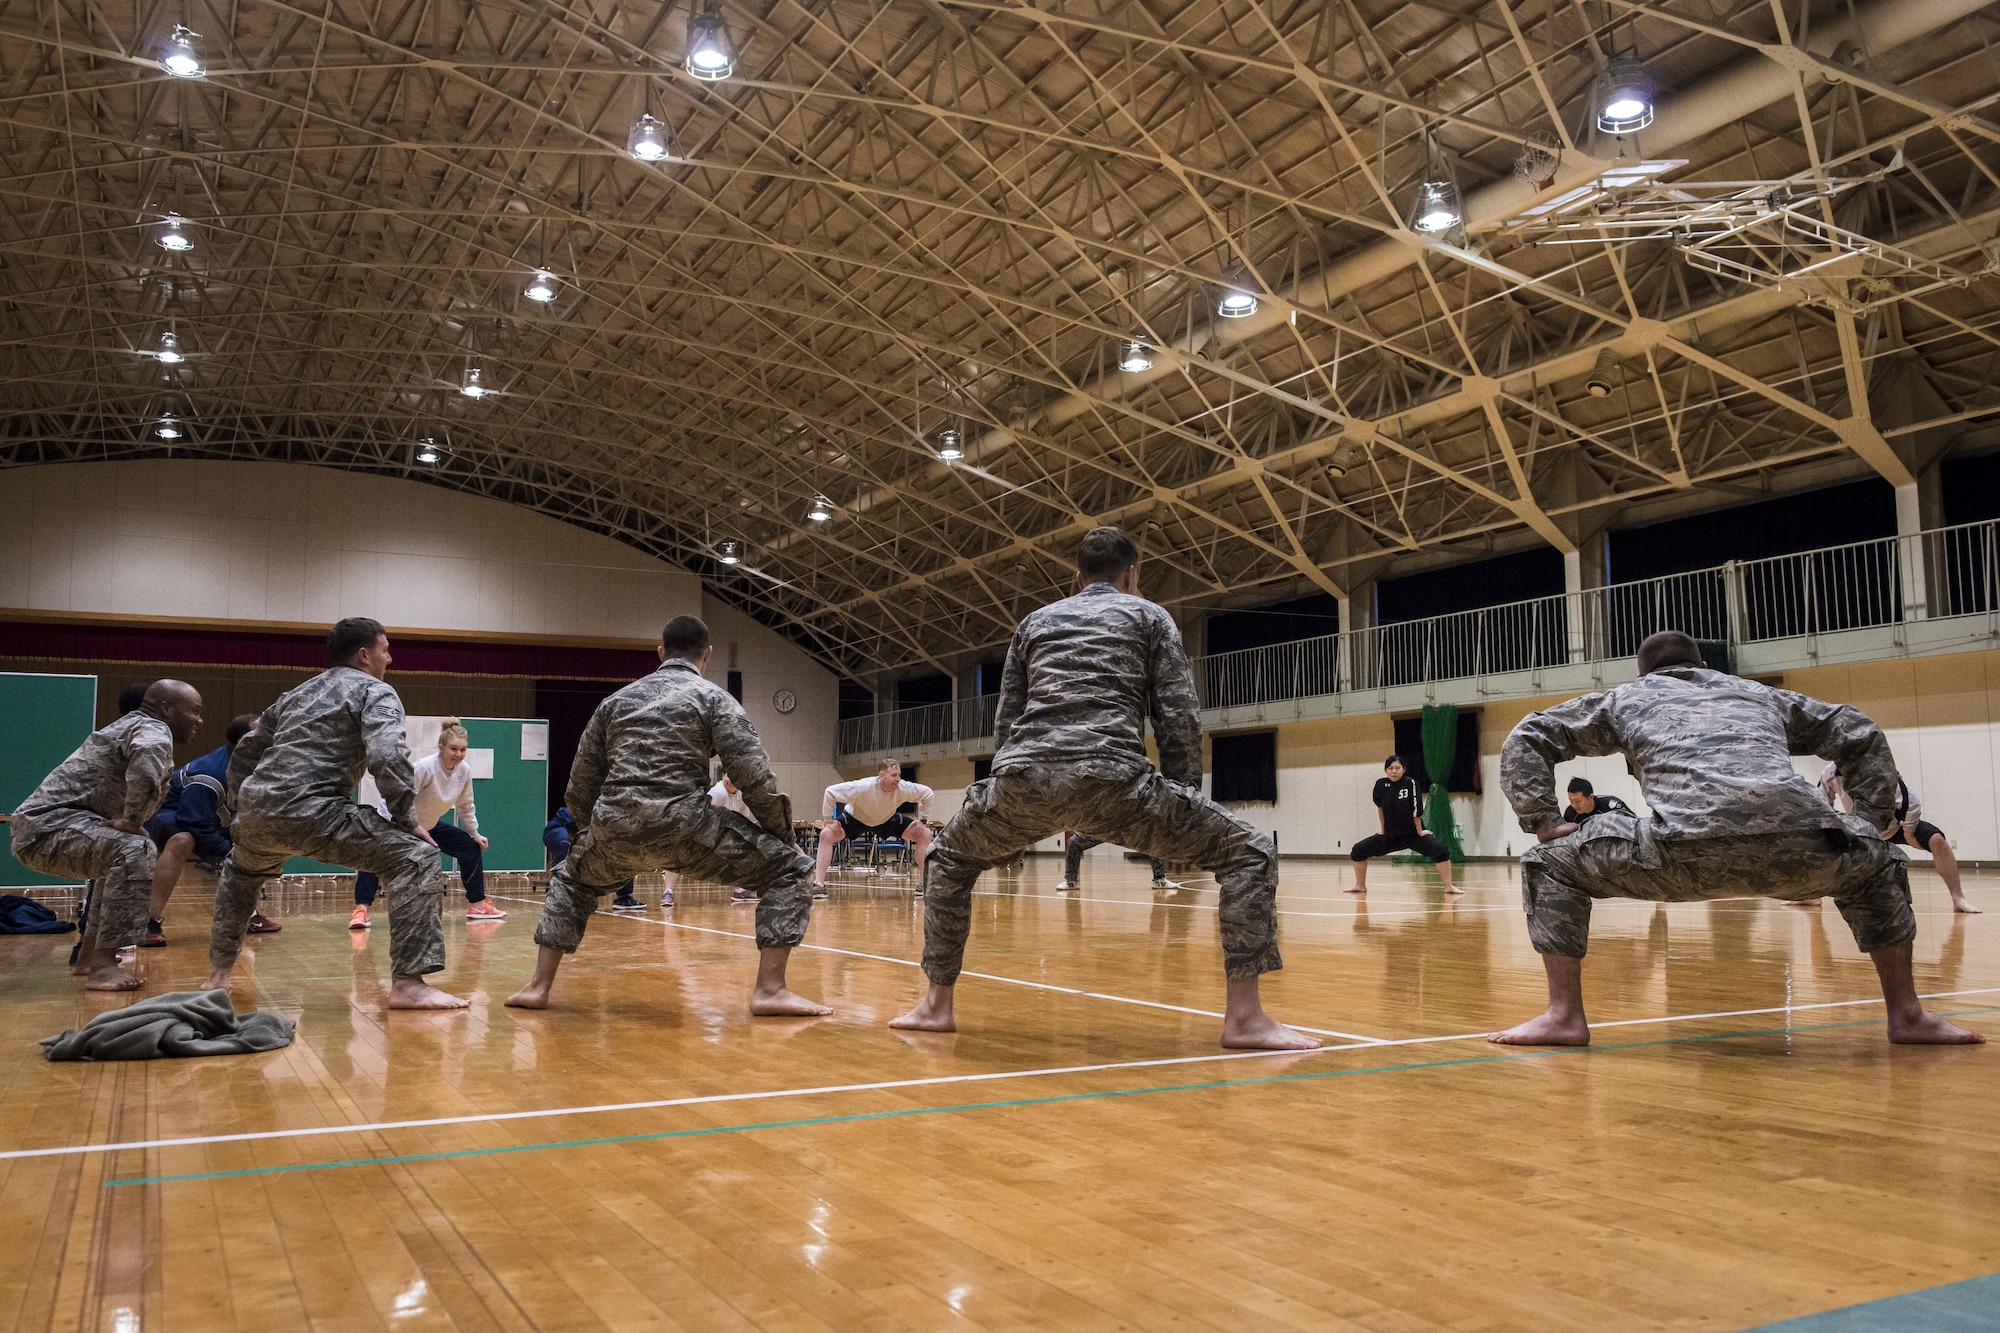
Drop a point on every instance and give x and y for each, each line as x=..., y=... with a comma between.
x=784, y=701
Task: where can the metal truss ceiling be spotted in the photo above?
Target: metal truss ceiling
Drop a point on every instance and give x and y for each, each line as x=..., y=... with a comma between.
x=902, y=215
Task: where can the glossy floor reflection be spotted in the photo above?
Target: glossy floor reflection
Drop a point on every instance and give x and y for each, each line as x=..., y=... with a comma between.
x=1079, y=1156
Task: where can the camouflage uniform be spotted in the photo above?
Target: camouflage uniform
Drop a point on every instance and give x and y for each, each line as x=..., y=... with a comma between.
x=639, y=793
x=291, y=782
x=1082, y=676
x=1730, y=815
x=119, y=772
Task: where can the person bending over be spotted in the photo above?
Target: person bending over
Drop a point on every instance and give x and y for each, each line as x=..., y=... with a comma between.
x=87, y=821
x=1584, y=803
x=1076, y=844
x=289, y=782
x=1910, y=829
x=872, y=810
x=1082, y=677
x=1399, y=810
x=638, y=790
x=559, y=835
x=192, y=824
x=1730, y=817
x=443, y=782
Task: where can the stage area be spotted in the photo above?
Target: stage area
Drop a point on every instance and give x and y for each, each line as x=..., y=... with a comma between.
x=1741, y=1145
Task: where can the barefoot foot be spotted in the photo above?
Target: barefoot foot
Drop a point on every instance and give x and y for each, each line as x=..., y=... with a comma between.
x=1545, y=1030
x=1358, y=888
x=928, y=1016
x=1930, y=1030
x=217, y=980
x=531, y=996
x=1960, y=905
x=410, y=993
x=1455, y=892
x=782, y=1003
x=112, y=977
x=1261, y=1032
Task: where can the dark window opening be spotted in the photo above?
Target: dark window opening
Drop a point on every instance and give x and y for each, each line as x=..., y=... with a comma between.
x=989, y=677
x=1244, y=767
x=1971, y=489
x=1280, y=622
x=982, y=769
x=1465, y=754
x=856, y=700
x=1481, y=583
x=918, y=690
x=735, y=685
x=1831, y=516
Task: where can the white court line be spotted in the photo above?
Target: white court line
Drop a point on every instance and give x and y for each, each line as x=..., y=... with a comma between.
x=775, y=1094
x=983, y=976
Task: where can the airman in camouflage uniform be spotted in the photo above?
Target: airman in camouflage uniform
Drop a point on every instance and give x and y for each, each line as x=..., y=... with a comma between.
x=1730, y=815
x=639, y=791
x=1081, y=679
x=291, y=783
x=85, y=821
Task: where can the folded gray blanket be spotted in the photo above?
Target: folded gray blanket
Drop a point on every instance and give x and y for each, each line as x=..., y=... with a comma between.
x=167, y=1026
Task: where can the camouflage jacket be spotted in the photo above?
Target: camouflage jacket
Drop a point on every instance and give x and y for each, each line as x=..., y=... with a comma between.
x=119, y=772
x=649, y=744
x=1712, y=753
x=316, y=741
x=1084, y=674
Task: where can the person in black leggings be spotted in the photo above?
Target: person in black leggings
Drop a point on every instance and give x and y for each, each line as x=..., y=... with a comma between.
x=1399, y=807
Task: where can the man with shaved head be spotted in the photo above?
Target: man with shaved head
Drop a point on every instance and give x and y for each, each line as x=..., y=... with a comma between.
x=1730, y=817
x=87, y=821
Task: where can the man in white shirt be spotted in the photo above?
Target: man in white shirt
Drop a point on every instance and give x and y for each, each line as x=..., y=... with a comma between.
x=871, y=809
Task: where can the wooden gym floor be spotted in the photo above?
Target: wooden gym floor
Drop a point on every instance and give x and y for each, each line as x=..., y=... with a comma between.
x=1744, y=1148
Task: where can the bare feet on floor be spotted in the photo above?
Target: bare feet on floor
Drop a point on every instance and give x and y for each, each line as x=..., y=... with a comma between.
x=1261, y=1032
x=1959, y=904
x=534, y=995
x=111, y=976
x=1358, y=888
x=783, y=1003
x=1454, y=892
x=930, y=1015
x=217, y=980
x=1545, y=1030
x=1930, y=1030
x=413, y=993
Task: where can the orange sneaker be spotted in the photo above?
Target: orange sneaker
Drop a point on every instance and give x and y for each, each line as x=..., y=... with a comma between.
x=359, y=921
x=483, y=911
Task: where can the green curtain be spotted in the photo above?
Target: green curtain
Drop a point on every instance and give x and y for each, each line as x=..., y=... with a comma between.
x=1440, y=749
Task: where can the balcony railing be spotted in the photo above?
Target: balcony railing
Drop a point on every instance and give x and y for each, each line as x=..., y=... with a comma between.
x=1934, y=575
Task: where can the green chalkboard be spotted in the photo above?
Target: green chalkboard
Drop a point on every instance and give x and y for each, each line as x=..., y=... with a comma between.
x=47, y=718
x=512, y=804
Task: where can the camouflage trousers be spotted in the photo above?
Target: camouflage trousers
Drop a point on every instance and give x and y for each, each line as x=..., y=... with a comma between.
x=341, y=834
x=694, y=838
x=1618, y=856
x=88, y=848
x=1110, y=803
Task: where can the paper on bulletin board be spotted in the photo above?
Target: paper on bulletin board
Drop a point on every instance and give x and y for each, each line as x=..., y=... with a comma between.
x=534, y=741
x=480, y=762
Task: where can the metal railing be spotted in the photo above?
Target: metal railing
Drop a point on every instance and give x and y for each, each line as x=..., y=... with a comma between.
x=1939, y=574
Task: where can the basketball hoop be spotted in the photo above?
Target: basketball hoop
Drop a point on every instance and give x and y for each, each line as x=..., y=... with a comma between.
x=1541, y=155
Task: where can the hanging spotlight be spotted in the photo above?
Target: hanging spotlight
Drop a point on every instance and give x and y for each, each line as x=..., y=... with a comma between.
x=951, y=445
x=541, y=287
x=473, y=383
x=1436, y=209
x=1602, y=375
x=648, y=140
x=729, y=552
x=168, y=428
x=169, y=351
x=180, y=58
x=173, y=235
x=709, y=56
x=1236, y=303
x=428, y=451
x=1627, y=103
x=821, y=511
x=1137, y=356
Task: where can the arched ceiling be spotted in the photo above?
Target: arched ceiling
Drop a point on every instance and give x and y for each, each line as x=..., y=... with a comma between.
x=899, y=215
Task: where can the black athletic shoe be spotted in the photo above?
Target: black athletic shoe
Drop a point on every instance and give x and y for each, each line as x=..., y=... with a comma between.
x=156, y=937
x=627, y=904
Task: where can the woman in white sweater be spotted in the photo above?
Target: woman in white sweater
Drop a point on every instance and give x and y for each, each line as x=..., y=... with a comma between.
x=444, y=782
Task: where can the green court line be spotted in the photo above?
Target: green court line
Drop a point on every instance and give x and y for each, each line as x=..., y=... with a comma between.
x=858, y=1117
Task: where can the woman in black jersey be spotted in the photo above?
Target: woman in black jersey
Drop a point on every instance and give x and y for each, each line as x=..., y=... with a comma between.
x=1399, y=806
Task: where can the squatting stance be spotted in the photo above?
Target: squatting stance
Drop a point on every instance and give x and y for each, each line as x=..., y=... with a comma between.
x=639, y=794
x=1731, y=817
x=1082, y=676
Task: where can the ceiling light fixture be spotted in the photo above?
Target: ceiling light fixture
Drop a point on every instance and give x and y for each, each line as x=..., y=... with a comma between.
x=1236, y=303
x=473, y=383
x=541, y=287
x=821, y=511
x=710, y=56
x=1135, y=358
x=173, y=235
x=951, y=445
x=1602, y=375
x=1627, y=102
x=168, y=428
x=648, y=140
x=729, y=552
x=1437, y=208
x=179, y=57
x=428, y=451
x=169, y=351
